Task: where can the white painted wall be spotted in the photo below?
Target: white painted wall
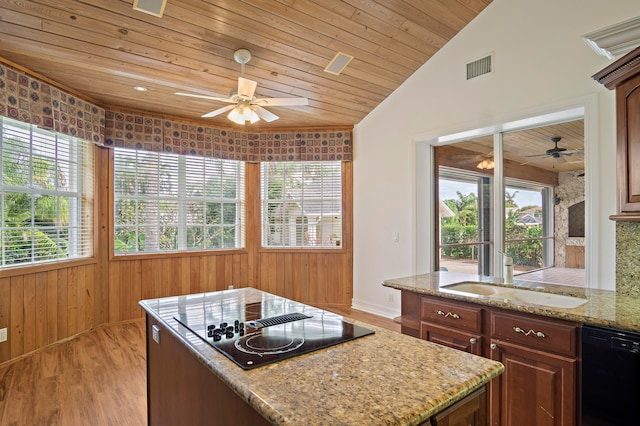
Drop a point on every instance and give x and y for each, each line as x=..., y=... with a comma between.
x=541, y=62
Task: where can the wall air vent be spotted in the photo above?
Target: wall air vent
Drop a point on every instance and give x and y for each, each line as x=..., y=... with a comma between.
x=338, y=63
x=480, y=67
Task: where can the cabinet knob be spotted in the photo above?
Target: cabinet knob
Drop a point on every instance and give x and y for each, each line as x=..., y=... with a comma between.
x=473, y=340
x=493, y=346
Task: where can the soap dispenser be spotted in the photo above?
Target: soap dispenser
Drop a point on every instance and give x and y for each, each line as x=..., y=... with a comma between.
x=508, y=269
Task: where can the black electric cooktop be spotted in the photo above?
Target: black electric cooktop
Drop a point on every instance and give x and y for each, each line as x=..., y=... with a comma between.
x=253, y=333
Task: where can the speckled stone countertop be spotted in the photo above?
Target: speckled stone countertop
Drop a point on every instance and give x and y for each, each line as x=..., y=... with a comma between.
x=384, y=378
x=604, y=308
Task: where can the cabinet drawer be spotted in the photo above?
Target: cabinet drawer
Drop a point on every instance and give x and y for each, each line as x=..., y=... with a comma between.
x=451, y=314
x=447, y=336
x=535, y=333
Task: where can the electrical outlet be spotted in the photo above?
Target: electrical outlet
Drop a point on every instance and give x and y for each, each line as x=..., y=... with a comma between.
x=3, y=334
x=155, y=333
x=390, y=297
x=230, y=287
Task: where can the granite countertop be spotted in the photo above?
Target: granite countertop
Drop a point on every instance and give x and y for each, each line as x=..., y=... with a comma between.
x=603, y=308
x=384, y=378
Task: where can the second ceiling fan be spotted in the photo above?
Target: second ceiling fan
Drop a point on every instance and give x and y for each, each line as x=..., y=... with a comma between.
x=245, y=106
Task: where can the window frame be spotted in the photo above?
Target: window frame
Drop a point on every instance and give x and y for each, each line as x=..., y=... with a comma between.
x=82, y=219
x=186, y=252
x=345, y=217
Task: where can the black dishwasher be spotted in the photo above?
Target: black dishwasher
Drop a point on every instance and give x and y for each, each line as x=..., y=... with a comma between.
x=610, y=377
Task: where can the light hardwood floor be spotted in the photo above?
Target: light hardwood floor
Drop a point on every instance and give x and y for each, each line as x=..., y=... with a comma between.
x=96, y=378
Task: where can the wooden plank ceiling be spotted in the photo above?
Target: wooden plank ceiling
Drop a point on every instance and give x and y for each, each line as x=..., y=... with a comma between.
x=528, y=148
x=103, y=48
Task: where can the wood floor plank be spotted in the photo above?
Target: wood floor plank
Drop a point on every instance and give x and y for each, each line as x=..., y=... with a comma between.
x=97, y=378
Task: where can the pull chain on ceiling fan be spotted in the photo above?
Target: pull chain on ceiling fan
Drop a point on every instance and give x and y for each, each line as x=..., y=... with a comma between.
x=246, y=106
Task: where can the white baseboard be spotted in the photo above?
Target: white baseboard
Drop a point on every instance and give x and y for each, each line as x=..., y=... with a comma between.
x=372, y=308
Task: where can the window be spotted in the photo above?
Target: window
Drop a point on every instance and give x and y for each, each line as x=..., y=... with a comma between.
x=167, y=202
x=47, y=195
x=301, y=204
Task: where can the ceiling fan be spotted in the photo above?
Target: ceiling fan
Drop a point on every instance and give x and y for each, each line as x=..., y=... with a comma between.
x=245, y=106
x=556, y=152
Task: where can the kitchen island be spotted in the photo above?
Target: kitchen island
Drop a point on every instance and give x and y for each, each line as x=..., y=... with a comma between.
x=379, y=378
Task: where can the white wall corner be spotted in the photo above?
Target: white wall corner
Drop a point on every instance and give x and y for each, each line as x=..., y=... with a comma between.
x=373, y=308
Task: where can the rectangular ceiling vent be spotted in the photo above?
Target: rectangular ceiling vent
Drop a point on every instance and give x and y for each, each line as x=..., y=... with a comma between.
x=480, y=67
x=338, y=63
x=152, y=7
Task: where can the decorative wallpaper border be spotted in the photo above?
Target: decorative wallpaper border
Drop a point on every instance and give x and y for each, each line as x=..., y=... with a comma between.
x=27, y=99
x=30, y=100
x=150, y=133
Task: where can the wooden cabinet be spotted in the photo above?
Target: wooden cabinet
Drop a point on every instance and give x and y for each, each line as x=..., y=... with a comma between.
x=624, y=76
x=182, y=390
x=539, y=384
x=471, y=411
x=575, y=257
x=451, y=324
x=540, y=355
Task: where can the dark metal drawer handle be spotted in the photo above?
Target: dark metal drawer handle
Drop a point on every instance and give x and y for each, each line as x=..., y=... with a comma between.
x=526, y=333
x=449, y=314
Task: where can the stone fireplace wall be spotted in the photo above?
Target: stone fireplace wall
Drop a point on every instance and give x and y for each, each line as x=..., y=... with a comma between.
x=569, y=192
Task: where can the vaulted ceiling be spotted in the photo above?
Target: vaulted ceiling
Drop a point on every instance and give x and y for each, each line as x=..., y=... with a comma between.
x=101, y=49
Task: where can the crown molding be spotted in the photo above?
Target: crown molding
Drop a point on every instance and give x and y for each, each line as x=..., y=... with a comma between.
x=615, y=40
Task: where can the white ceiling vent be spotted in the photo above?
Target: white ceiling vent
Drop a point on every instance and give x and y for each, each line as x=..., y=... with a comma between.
x=152, y=7
x=480, y=67
x=338, y=63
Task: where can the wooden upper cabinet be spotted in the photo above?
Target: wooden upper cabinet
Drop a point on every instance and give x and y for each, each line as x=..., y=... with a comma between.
x=624, y=76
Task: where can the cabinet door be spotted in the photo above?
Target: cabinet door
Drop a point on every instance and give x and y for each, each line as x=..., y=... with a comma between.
x=463, y=341
x=628, y=149
x=536, y=388
x=182, y=391
x=471, y=411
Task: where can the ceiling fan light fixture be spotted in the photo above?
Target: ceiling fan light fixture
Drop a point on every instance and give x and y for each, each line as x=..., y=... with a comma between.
x=250, y=115
x=236, y=116
x=486, y=164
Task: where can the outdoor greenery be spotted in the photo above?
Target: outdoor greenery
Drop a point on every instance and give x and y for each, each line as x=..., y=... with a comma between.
x=159, y=209
x=462, y=228
x=35, y=219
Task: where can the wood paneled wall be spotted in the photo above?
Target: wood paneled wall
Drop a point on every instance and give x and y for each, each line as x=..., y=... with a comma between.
x=44, y=304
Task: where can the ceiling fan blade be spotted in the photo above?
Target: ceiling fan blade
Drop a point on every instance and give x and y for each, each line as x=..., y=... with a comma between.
x=213, y=98
x=573, y=151
x=246, y=87
x=281, y=101
x=264, y=114
x=218, y=111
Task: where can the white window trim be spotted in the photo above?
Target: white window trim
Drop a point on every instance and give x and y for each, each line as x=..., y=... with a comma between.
x=582, y=108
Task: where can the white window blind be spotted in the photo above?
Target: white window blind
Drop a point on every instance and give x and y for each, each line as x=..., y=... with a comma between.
x=47, y=195
x=301, y=204
x=167, y=202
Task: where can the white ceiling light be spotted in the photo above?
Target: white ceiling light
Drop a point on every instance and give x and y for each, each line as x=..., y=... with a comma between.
x=242, y=114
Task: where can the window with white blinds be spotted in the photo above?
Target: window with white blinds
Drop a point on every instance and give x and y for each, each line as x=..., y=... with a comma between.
x=47, y=195
x=301, y=204
x=168, y=202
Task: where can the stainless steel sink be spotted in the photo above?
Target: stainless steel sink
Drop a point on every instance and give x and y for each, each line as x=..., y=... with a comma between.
x=514, y=295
